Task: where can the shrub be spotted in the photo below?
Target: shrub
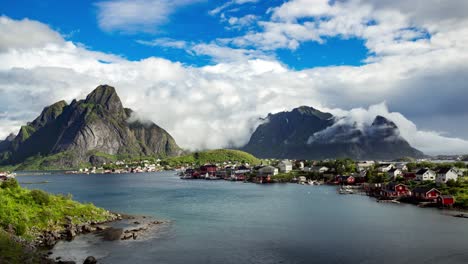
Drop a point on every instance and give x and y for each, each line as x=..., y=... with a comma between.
x=10, y=184
x=20, y=229
x=40, y=197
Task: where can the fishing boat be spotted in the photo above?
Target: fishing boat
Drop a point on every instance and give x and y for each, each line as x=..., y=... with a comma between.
x=186, y=177
x=461, y=215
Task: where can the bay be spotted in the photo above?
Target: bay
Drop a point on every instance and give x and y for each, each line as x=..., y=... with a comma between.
x=234, y=222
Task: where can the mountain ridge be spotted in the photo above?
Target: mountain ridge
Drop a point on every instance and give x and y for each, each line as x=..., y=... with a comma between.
x=308, y=133
x=98, y=123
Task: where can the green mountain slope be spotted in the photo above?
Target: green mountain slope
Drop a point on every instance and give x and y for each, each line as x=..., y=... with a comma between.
x=98, y=123
x=213, y=156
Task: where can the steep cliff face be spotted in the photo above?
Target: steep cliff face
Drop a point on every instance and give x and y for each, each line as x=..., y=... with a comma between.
x=306, y=133
x=97, y=124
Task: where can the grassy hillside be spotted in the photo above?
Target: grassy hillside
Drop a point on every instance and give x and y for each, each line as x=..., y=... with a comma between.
x=13, y=252
x=31, y=212
x=213, y=156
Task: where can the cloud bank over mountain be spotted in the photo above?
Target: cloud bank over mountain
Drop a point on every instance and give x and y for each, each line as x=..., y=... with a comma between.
x=417, y=65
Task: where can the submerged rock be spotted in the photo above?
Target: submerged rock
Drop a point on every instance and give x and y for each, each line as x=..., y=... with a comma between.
x=111, y=234
x=90, y=260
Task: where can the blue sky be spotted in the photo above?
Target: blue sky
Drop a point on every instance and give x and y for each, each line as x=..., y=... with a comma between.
x=77, y=21
x=214, y=67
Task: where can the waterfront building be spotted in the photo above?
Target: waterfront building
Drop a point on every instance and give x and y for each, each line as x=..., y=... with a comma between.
x=445, y=174
x=425, y=175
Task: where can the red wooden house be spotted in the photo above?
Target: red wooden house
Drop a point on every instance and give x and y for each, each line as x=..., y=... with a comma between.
x=446, y=200
x=425, y=193
x=345, y=180
x=409, y=176
x=208, y=169
x=395, y=190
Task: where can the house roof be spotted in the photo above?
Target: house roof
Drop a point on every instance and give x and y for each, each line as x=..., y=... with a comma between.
x=267, y=168
x=446, y=196
x=392, y=170
x=383, y=165
x=424, y=189
x=443, y=170
x=392, y=185
x=409, y=175
x=286, y=162
x=422, y=171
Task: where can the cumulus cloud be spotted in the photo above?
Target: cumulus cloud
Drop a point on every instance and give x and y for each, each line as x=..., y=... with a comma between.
x=217, y=52
x=132, y=16
x=220, y=105
x=25, y=34
x=426, y=141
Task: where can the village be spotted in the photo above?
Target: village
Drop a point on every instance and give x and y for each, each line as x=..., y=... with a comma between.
x=425, y=184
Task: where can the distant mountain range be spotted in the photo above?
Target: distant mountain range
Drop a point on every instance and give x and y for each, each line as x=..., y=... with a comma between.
x=85, y=128
x=85, y=131
x=307, y=133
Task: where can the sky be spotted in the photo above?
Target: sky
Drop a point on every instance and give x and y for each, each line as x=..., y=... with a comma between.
x=206, y=71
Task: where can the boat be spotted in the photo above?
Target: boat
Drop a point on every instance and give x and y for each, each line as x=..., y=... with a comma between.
x=345, y=190
x=388, y=201
x=461, y=215
x=311, y=182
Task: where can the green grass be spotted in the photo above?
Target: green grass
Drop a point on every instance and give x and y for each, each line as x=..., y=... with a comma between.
x=14, y=252
x=47, y=162
x=26, y=132
x=213, y=156
x=30, y=212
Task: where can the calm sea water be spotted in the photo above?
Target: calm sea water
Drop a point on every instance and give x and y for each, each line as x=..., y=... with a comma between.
x=233, y=222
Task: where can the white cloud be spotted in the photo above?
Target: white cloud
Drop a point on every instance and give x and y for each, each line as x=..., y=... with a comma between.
x=219, y=105
x=131, y=16
x=164, y=42
x=25, y=34
x=217, y=53
x=426, y=141
x=241, y=22
x=222, y=7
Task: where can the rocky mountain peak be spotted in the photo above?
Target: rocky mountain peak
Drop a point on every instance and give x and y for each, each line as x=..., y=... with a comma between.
x=10, y=137
x=307, y=110
x=98, y=124
x=380, y=121
x=106, y=96
x=49, y=113
x=307, y=133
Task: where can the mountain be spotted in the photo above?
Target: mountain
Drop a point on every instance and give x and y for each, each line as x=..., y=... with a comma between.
x=97, y=124
x=307, y=133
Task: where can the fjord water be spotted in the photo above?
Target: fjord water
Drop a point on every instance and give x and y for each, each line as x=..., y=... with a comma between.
x=233, y=222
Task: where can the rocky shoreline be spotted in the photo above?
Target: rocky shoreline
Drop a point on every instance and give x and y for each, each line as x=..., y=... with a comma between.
x=137, y=227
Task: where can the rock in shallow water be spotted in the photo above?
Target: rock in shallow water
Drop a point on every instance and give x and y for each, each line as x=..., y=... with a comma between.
x=90, y=260
x=111, y=234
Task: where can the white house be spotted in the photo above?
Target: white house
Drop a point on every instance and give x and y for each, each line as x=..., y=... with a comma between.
x=364, y=165
x=401, y=166
x=268, y=170
x=285, y=166
x=301, y=165
x=394, y=173
x=384, y=167
x=425, y=175
x=319, y=169
x=445, y=174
